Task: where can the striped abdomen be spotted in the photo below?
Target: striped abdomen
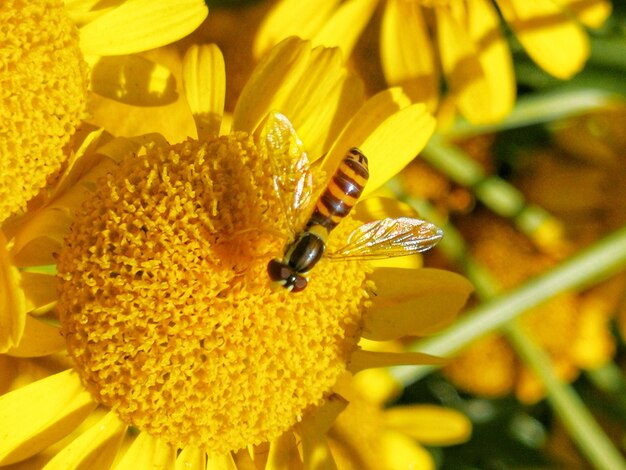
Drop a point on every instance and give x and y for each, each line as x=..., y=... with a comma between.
x=342, y=192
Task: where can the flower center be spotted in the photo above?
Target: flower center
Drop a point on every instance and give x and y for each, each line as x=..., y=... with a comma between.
x=168, y=311
x=43, y=91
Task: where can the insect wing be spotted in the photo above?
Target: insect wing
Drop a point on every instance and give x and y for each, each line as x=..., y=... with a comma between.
x=283, y=150
x=389, y=238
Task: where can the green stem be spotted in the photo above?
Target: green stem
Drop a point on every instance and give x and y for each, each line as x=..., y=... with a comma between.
x=539, y=108
x=579, y=422
x=603, y=259
x=500, y=196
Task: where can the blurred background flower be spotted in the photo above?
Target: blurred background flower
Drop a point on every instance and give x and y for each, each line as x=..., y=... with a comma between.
x=527, y=185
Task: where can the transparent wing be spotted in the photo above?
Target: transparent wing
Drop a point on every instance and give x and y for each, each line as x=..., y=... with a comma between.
x=388, y=238
x=284, y=152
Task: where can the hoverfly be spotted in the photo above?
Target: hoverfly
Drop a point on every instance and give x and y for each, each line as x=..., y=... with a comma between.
x=293, y=185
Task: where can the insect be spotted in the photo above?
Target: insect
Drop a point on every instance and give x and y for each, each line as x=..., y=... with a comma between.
x=379, y=239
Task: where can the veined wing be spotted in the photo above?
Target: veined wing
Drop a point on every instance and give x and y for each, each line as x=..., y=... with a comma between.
x=388, y=238
x=281, y=147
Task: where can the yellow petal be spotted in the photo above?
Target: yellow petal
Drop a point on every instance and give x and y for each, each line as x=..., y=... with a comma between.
x=362, y=359
x=552, y=39
x=400, y=451
x=84, y=11
x=369, y=116
x=39, y=414
x=40, y=290
x=133, y=80
x=40, y=339
x=376, y=385
x=12, y=300
x=429, y=424
x=141, y=25
x=191, y=458
x=292, y=18
x=283, y=454
x=395, y=142
x=376, y=208
x=220, y=462
x=309, y=106
x=315, y=451
x=41, y=237
x=346, y=24
x=413, y=303
x=272, y=80
x=495, y=59
x=94, y=448
x=147, y=452
x=591, y=13
x=464, y=73
x=204, y=79
x=407, y=53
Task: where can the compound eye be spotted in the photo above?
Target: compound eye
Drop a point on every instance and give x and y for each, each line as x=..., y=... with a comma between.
x=278, y=271
x=299, y=283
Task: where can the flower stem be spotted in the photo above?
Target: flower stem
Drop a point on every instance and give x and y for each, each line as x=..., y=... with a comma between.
x=579, y=422
x=539, y=108
x=601, y=260
x=497, y=194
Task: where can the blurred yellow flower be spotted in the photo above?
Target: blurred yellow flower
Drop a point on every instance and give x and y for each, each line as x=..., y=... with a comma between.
x=459, y=39
x=490, y=366
x=164, y=301
x=369, y=436
x=44, y=77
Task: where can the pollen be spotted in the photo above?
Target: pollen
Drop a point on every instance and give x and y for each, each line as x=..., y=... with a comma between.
x=168, y=311
x=43, y=91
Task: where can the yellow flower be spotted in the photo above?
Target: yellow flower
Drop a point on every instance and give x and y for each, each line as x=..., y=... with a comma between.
x=459, y=39
x=368, y=436
x=44, y=77
x=490, y=367
x=169, y=318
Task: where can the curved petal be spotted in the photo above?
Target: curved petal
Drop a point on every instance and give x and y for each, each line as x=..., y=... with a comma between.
x=141, y=25
x=412, y=302
x=12, y=300
x=41, y=237
x=364, y=122
x=191, y=458
x=220, y=462
x=407, y=52
x=84, y=11
x=429, y=424
x=270, y=83
x=204, y=80
x=315, y=450
x=283, y=453
x=346, y=24
x=292, y=18
x=37, y=415
x=376, y=208
x=94, y=448
x=400, y=451
x=362, y=359
x=147, y=452
x=591, y=13
x=309, y=106
x=40, y=339
x=133, y=80
x=395, y=142
x=459, y=60
x=40, y=290
x=494, y=56
x=552, y=39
